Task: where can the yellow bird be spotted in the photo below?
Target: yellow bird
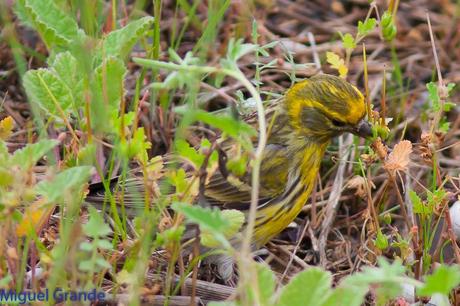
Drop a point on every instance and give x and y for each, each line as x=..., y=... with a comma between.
x=302, y=124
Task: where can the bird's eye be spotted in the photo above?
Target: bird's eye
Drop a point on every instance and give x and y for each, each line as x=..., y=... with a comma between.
x=338, y=123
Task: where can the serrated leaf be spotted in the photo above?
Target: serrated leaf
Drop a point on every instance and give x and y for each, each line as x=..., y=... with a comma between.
x=68, y=182
x=308, y=288
x=55, y=27
x=365, y=27
x=96, y=227
x=433, y=95
x=6, y=127
x=337, y=63
x=386, y=275
x=31, y=154
x=443, y=280
x=184, y=149
x=66, y=67
x=235, y=219
x=350, y=296
x=348, y=41
x=419, y=207
x=120, y=42
x=235, y=128
x=48, y=91
x=381, y=240
x=209, y=220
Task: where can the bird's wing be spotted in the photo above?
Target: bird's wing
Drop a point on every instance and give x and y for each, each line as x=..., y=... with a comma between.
x=233, y=192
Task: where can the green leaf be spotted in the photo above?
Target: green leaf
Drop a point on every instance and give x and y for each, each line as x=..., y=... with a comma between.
x=337, y=63
x=365, y=27
x=138, y=146
x=87, y=155
x=209, y=220
x=101, y=262
x=31, y=154
x=170, y=235
x=448, y=106
x=235, y=128
x=237, y=49
x=96, y=226
x=49, y=92
x=433, y=95
x=55, y=27
x=104, y=244
x=443, y=280
x=450, y=86
x=178, y=179
x=308, y=288
x=388, y=276
x=235, y=219
x=67, y=184
x=267, y=283
x=86, y=246
x=232, y=303
x=419, y=207
x=66, y=67
x=120, y=42
x=444, y=126
x=107, y=91
x=348, y=41
x=343, y=295
x=238, y=166
x=381, y=240
x=184, y=149
x=86, y=265
x=388, y=27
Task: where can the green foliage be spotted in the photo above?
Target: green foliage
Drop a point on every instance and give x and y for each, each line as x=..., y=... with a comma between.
x=56, y=28
x=419, y=207
x=313, y=283
x=61, y=89
x=388, y=26
x=119, y=43
x=97, y=230
x=235, y=128
x=367, y=26
x=348, y=41
x=266, y=283
x=313, y=286
x=170, y=235
x=235, y=220
x=381, y=240
x=49, y=92
x=67, y=183
x=30, y=154
x=443, y=280
x=214, y=222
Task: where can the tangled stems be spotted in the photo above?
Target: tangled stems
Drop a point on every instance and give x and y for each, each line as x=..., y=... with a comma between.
x=238, y=75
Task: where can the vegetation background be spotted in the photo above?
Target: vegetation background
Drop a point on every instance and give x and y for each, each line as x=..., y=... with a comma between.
x=91, y=89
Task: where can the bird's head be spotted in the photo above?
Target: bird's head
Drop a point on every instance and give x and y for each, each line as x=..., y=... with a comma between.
x=325, y=106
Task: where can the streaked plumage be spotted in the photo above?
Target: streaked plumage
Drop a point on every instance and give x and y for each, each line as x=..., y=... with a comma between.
x=303, y=123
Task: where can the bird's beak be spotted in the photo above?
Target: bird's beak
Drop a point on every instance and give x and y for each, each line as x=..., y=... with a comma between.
x=363, y=129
